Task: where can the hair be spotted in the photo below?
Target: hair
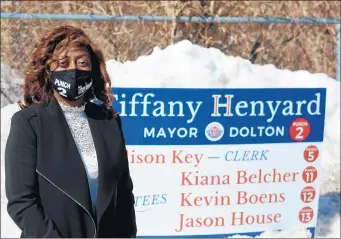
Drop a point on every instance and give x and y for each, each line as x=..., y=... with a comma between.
x=37, y=77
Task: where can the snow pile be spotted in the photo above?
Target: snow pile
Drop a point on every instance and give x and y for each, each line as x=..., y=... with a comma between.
x=185, y=65
x=11, y=84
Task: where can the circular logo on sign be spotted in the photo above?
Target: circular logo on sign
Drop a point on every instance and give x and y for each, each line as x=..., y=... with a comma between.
x=214, y=131
x=311, y=153
x=299, y=129
x=309, y=174
x=306, y=214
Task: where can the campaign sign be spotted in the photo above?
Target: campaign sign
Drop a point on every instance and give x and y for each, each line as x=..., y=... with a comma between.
x=220, y=162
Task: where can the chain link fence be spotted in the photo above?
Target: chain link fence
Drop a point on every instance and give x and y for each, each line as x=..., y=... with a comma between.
x=293, y=46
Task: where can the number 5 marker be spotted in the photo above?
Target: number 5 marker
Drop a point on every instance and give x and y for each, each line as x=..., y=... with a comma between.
x=311, y=153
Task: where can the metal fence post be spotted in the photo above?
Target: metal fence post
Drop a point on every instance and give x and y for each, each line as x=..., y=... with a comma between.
x=338, y=61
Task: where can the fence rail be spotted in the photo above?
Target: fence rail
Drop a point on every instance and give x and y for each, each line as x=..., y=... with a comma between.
x=198, y=19
x=201, y=19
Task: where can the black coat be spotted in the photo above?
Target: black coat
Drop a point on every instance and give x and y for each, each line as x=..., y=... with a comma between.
x=46, y=182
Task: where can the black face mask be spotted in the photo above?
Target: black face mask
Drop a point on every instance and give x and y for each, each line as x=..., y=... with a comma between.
x=71, y=84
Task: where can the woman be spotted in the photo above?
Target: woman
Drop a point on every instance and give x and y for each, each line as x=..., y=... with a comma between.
x=67, y=172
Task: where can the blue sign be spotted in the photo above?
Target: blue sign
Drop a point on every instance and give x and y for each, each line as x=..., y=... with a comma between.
x=220, y=116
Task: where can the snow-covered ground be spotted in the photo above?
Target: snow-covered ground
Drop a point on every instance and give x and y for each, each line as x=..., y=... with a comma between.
x=185, y=65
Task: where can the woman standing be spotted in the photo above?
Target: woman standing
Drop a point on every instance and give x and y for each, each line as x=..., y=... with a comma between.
x=67, y=173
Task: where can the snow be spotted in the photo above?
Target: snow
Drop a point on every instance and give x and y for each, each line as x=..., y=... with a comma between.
x=10, y=85
x=185, y=65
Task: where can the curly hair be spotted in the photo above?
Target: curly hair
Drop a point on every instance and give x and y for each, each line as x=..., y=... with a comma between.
x=37, y=77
